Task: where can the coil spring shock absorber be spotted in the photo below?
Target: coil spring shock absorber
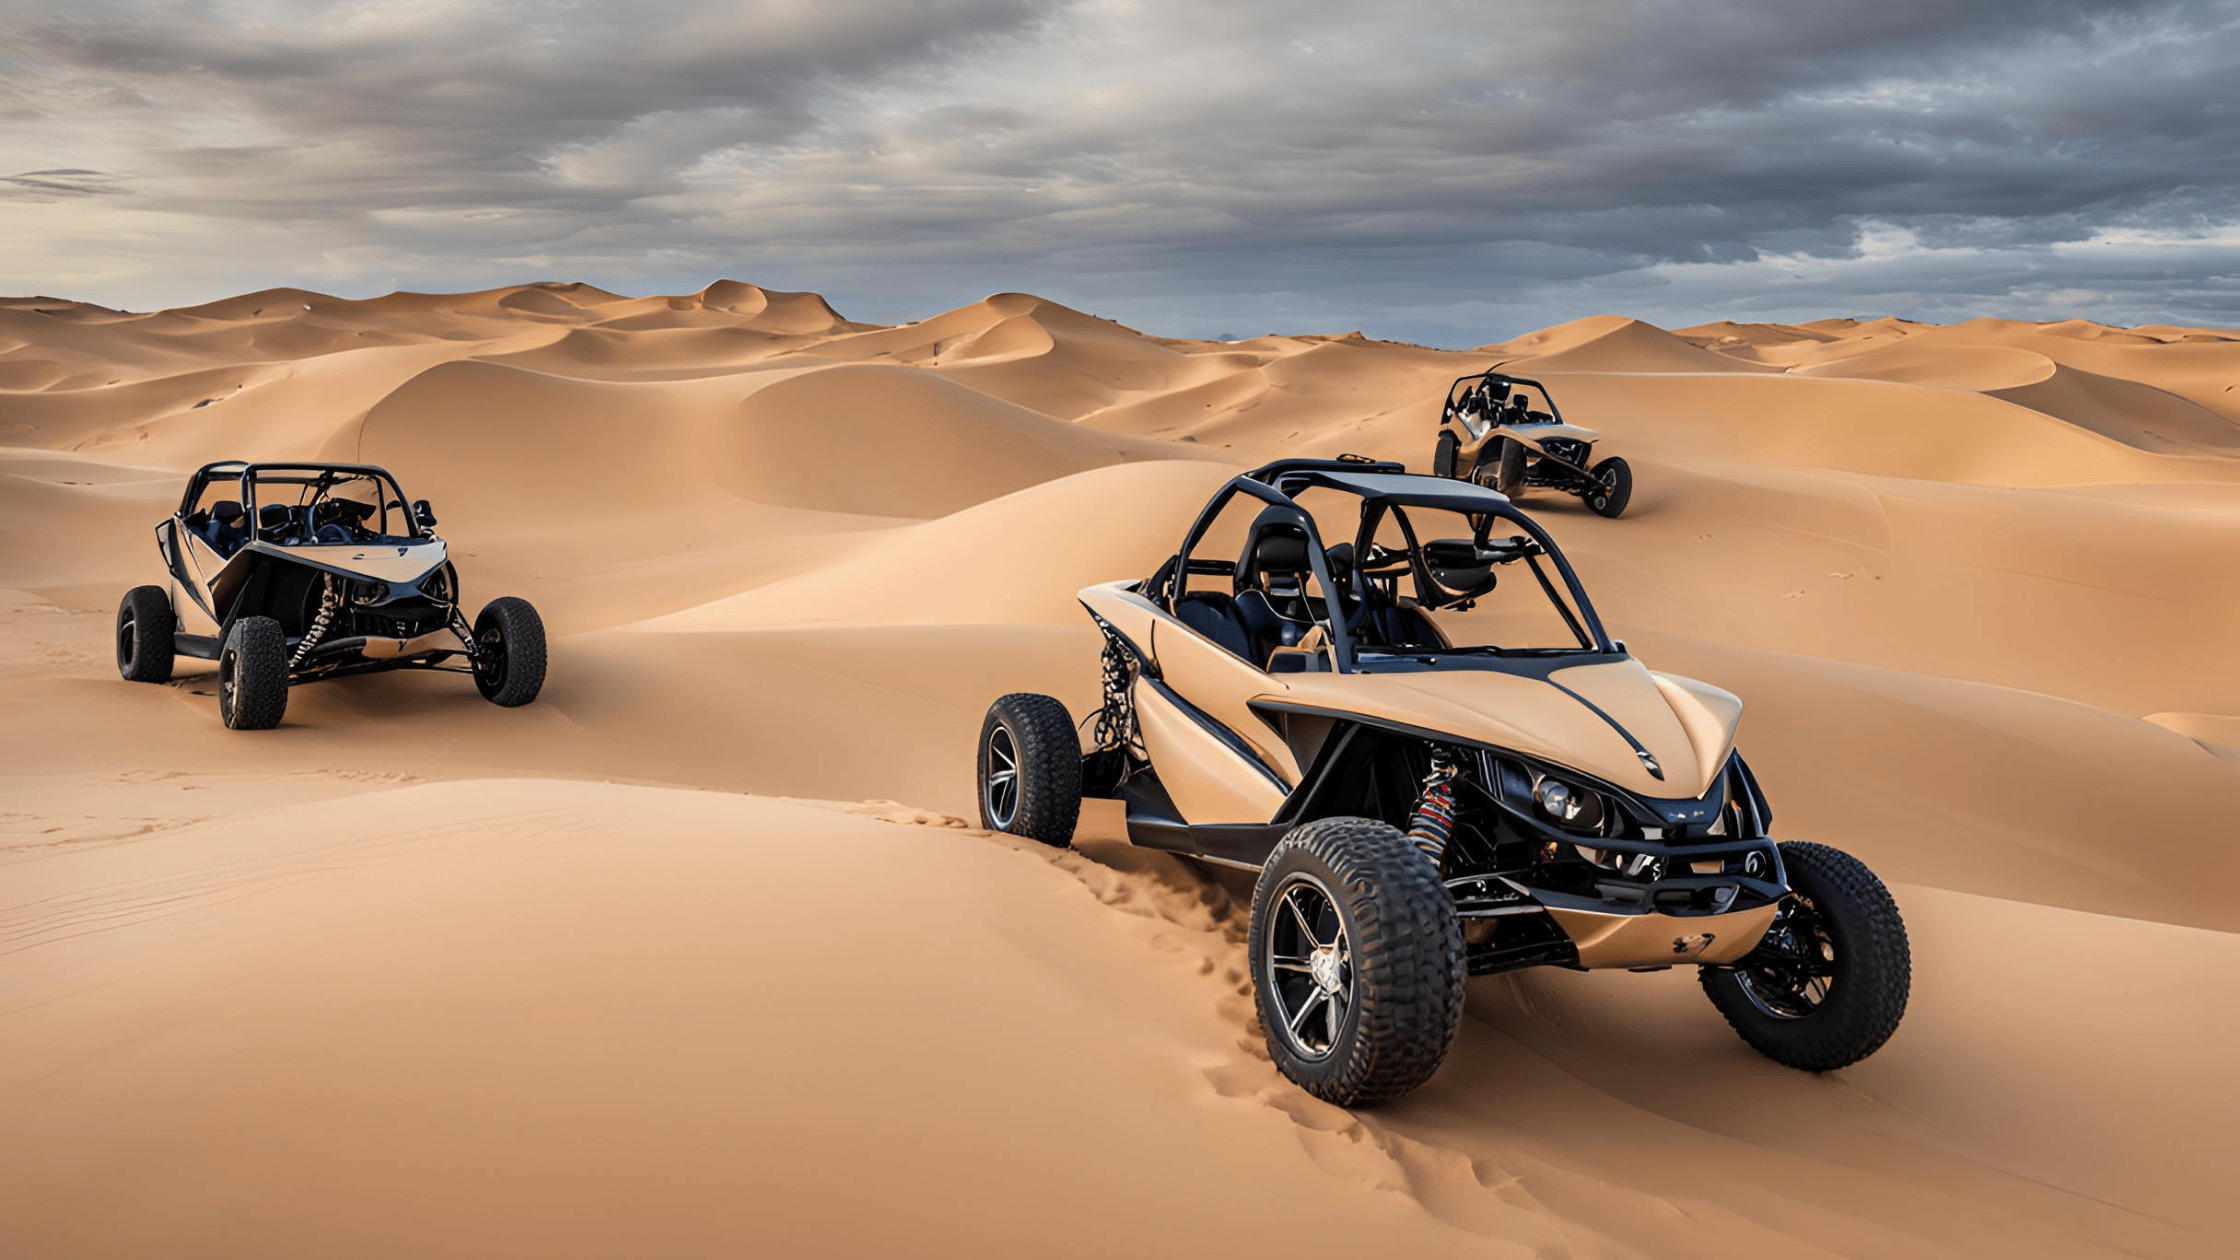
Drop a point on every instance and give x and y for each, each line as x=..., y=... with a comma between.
x=1116, y=719
x=329, y=602
x=1433, y=821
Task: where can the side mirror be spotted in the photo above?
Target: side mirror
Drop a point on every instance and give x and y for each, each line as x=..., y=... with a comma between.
x=423, y=514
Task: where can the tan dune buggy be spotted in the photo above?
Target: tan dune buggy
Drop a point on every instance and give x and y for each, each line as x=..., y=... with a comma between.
x=290, y=573
x=1439, y=765
x=1504, y=432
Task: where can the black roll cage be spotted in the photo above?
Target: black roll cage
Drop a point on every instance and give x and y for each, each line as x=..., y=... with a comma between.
x=248, y=475
x=1494, y=373
x=1274, y=484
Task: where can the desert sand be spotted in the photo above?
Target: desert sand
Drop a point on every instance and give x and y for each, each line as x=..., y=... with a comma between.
x=699, y=955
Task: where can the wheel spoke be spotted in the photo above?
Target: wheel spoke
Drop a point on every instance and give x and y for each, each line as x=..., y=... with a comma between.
x=1306, y=1008
x=1285, y=962
x=1306, y=929
x=1335, y=1009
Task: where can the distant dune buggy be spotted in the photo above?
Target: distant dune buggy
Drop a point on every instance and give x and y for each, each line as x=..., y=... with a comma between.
x=1504, y=432
x=290, y=573
x=1440, y=765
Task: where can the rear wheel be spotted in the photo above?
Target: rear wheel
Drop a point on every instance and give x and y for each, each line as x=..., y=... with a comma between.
x=253, y=675
x=145, y=624
x=1828, y=984
x=1030, y=769
x=1612, y=488
x=509, y=652
x=1357, y=962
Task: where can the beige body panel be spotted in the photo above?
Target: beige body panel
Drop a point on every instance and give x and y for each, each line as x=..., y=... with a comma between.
x=1707, y=714
x=1127, y=612
x=1223, y=686
x=202, y=565
x=1688, y=726
x=1540, y=720
x=1650, y=939
x=1209, y=782
x=383, y=562
x=1474, y=451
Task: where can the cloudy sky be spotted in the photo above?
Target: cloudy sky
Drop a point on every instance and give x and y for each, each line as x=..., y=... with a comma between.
x=1450, y=173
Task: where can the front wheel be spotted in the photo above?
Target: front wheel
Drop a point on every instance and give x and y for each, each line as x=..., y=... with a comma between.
x=253, y=675
x=509, y=652
x=145, y=624
x=1030, y=769
x=1612, y=488
x=1444, y=454
x=1357, y=961
x=1828, y=983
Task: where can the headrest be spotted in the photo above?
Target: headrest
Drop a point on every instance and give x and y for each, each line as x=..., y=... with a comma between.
x=1278, y=544
x=273, y=515
x=226, y=511
x=1282, y=549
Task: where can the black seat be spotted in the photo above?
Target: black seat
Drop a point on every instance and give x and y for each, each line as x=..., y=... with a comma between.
x=1265, y=627
x=224, y=529
x=1272, y=606
x=1213, y=615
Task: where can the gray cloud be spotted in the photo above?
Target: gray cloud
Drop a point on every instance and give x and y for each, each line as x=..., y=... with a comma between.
x=52, y=185
x=1441, y=171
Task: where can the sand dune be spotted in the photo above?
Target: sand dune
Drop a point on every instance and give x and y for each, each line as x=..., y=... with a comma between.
x=413, y=974
x=1609, y=343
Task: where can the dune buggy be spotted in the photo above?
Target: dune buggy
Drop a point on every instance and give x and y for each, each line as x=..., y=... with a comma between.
x=1504, y=432
x=1439, y=765
x=291, y=573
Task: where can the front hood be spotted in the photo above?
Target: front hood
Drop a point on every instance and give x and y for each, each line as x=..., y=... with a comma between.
x=1587, y=717
x=382, y=562
x=1535, y=433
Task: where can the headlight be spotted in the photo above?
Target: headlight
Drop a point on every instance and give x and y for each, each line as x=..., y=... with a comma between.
x=1571, y=807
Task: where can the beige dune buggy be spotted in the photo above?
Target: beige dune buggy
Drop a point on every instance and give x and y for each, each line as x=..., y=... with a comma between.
x=1504, y=432
x=1439, y=765
x=292, y=573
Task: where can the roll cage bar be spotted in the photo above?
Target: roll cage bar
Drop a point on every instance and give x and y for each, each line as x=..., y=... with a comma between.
x=1494, y=373
x=1379, y=485
x=306, y=474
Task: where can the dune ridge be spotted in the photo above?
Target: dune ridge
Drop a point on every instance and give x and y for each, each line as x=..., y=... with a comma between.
x=700, y=952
